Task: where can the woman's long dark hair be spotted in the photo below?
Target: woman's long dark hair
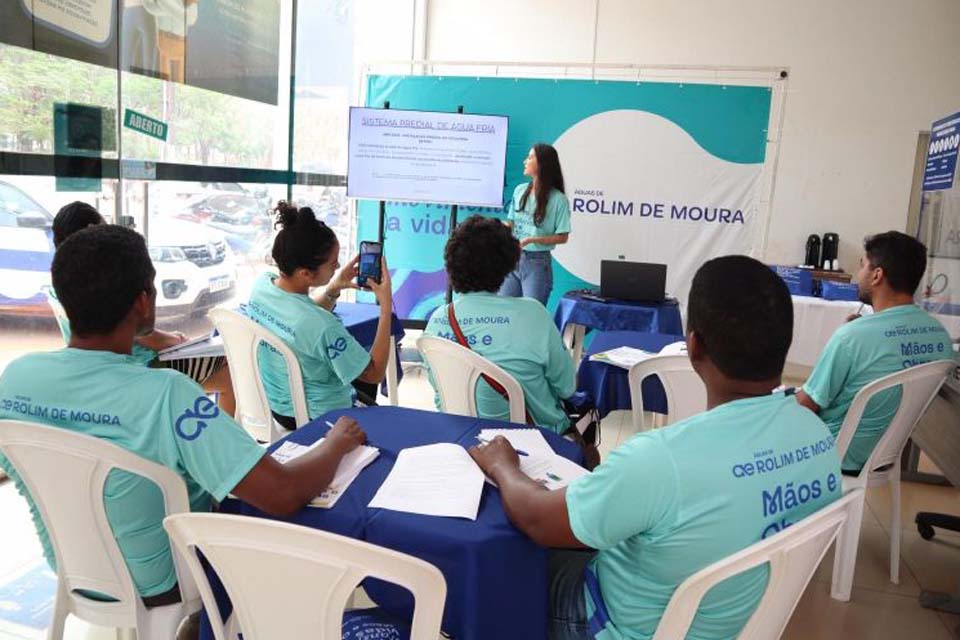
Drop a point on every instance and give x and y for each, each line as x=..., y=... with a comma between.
x=549, y=177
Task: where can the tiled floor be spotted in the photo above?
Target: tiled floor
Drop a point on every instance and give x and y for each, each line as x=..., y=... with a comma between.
x=878, y=610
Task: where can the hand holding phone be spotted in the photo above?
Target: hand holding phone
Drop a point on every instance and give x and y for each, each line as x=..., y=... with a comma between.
x=370, y=263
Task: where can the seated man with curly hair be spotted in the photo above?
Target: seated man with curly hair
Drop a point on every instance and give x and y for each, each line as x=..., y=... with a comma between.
x=517, y=334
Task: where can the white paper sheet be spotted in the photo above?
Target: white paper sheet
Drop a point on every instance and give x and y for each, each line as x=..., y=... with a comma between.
x=347, y=471
x=530, y=441
x=623, y=357
x=554, y=472
x=434, y=480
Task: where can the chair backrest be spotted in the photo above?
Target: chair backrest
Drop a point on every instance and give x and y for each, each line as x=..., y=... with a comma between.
x=59, y=313
x=289, y=581
x=685, y=391
x=456, y=370
x=793, y=554
x=64, y=473
x=241, y=340
x=919, y=385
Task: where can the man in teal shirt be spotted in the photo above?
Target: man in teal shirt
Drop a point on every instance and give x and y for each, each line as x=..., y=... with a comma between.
x=670, y=502
x=896, y=336
x=104, y=280
x=516, y=334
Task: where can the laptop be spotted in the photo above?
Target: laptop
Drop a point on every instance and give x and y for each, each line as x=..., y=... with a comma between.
x=633, y=281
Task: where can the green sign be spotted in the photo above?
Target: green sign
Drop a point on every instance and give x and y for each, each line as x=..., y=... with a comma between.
x=145, y=124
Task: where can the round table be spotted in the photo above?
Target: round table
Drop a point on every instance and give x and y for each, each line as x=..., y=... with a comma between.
x=496, y=576
x=609, y=385
x=575, y=315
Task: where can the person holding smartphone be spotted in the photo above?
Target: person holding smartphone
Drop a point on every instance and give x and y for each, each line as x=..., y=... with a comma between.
x=539, y=216
x=306, y=252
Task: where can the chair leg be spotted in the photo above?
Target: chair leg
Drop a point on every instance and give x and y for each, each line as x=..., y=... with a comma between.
x=160, y=623
x=845, y=555
x=895, y=523
x=57, y=624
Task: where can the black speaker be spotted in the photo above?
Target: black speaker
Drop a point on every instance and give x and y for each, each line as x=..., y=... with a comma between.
x=813, y=251
x=831, y=244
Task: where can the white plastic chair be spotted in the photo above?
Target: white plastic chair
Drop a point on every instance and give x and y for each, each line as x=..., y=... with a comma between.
x=919, y=385
x=685, y=391
x=456, y=370
x=241, y=338
x=64, y=473
x=793, y=554
x=288, y=581
x=59, y=313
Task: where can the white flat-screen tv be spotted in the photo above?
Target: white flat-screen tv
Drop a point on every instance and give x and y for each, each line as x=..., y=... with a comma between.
x=426, y=156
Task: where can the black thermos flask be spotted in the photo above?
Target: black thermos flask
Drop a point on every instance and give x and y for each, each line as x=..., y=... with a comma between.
x=813, y=251
x=831, y=243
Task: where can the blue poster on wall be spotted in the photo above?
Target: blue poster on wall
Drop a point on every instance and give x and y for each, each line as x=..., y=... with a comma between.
x=941, y=167
x=655, y=172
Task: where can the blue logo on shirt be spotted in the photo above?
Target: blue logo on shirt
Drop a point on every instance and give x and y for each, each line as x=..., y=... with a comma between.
x=335, y=349
x=191, y=423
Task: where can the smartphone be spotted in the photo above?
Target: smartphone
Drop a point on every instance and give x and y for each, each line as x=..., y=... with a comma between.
x=370, y=253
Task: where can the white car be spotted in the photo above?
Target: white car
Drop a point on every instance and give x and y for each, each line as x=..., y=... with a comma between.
x=196, y=269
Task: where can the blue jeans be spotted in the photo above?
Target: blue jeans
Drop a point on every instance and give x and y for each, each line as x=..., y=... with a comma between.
x=533, y=277
x=567, y=615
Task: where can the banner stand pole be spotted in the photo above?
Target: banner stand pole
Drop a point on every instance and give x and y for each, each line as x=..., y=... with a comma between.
x=454, y=210
x=383, y=204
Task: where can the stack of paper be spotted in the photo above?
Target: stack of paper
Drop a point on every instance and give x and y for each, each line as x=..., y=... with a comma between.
x=537, y=459
x=200, y=347
x=435, y=480
x=554, y=472
x=530, y=441
x=350, y=467
x=623, y=357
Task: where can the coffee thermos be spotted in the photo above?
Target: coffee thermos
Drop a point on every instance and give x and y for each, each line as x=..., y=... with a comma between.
x=831, y=244
x=813, y=251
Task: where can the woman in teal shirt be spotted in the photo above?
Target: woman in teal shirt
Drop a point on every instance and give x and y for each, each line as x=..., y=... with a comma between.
x=331, y=360
x=539, y=216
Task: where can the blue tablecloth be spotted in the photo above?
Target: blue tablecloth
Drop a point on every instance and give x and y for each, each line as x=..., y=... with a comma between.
x=608, y=385
x=619, y=315
x=496, y=576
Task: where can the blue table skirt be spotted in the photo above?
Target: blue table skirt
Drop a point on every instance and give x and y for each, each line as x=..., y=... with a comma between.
x=496, y=576
x=361, y=321
x=619, y=315
x=608, y=385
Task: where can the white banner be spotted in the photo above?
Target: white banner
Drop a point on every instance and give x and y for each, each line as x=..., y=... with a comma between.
x=642, y=189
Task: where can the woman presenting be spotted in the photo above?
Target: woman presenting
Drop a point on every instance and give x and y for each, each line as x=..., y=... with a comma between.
x=539, y=216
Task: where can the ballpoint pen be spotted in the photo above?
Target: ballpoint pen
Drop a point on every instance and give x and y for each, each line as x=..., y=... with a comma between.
x=519, y=451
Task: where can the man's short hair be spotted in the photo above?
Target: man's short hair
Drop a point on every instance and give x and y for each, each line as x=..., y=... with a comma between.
x=98, y=272
x=742, y=312
x=902, y=258
x=480, y=254
x=73, y=217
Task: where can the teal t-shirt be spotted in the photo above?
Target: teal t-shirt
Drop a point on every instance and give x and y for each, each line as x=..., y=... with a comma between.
x=330, y=358
x=158, y=414
x=141, y=354
x=556, y=220
x=518, y=335
x=670, y=502
x=862, y=351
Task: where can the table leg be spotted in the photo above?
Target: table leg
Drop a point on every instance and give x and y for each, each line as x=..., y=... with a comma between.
x=573, y=339
x=392, y=386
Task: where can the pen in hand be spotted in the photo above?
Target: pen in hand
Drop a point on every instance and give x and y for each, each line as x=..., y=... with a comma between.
x=519, y=451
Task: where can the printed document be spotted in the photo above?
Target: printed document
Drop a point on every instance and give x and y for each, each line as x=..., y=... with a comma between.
x=434, y=480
